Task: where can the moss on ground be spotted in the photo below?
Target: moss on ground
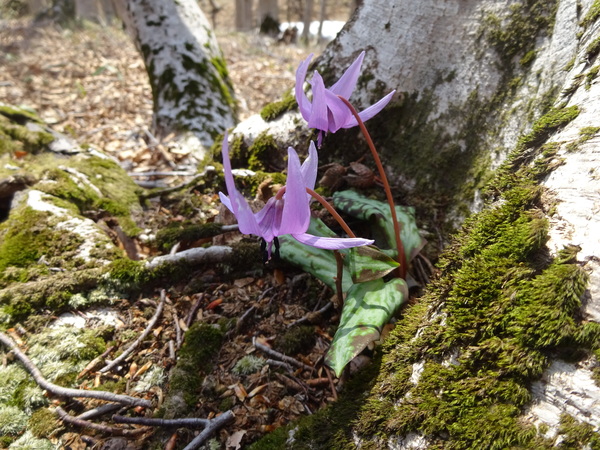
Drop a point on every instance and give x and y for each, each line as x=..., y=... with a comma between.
x=201, y=343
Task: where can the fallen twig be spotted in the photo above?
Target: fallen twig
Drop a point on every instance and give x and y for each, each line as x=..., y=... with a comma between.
x=280, y=356
x=68, y=392
x=199, y=255
x=192, y=314
x=212, y=427
x=66, y=417
x=139, y=340
x=168, y=423
x=274, y=362
x=99, y=411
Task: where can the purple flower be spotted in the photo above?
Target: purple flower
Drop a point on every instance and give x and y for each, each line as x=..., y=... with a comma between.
x=327, y=112
x=288, y=213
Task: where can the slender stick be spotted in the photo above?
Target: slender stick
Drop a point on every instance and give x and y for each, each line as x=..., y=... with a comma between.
x=386, y=187
x=139, y=340
x=280, y=356
x=188, y=422
x=66, y=417
x=211, y=428
x=68, y=392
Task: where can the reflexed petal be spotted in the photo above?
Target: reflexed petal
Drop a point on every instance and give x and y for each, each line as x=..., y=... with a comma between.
x=328, y=243
x=237, y=203
x=296, y=210
x=347, y=82
x=310, y=166
x=318, y=114
x=339, y=113
x=370, y=111
x=301, y=98
x=225, y=201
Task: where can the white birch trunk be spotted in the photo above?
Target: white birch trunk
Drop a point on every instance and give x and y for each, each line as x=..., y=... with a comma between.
x=189, y=80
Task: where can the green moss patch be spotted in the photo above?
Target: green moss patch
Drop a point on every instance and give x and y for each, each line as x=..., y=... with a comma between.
x=275, y=110
x=592, y=15
x=201, y=343
x=16, y=137
x=502, y=306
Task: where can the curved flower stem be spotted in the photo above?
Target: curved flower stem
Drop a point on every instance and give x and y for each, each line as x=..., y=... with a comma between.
x=326, y=205
x=331, y=211
x=386, y=187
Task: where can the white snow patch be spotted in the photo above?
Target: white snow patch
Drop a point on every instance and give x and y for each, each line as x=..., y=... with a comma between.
x=330, y=28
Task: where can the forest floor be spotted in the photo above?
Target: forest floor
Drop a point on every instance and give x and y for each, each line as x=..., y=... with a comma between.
x=89, y=83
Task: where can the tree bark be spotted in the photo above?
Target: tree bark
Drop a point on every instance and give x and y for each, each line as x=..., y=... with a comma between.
x=190, y=85
x=306, y=19
x=267, y=8
x=243, y=15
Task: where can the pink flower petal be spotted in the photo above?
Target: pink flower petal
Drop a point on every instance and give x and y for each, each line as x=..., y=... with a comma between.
x=310, y=166
x=301, y=98
x=347, y=82
x=370, y=111
x=237, y=203
x=339, y=113
x=328, y=243
x=296, y=209
x=318, y=113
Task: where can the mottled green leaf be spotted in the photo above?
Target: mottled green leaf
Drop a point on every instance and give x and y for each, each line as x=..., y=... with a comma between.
x=367, y=308
x=361, y=207
x=369, y=263
x=318, y=262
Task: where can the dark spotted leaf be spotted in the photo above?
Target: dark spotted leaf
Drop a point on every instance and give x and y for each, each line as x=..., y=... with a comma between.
x=361, y=207
x=369, y=263
x=367, y=308
x=318, y=262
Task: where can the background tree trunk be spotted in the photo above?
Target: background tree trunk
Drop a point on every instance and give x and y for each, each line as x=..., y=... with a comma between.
x=306, y=19
x=267, y=8
x=243, y=15
x=190, y=85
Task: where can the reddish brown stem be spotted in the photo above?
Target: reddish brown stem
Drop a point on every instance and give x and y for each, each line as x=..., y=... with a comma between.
x=386, y=187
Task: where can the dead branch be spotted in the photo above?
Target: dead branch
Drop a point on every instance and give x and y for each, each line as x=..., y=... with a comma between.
x=140, y=339
x=68, y=392
x=99, y=411
x=280, y=356
x=211, y=428
x=66, y=417
x=200, y=255
x=188, y=422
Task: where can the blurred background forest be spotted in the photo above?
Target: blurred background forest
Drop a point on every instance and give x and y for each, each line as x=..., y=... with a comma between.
x=72, y=62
